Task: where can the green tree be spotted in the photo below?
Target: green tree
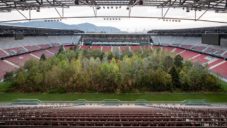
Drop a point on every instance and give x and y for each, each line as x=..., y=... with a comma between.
x=61, y=49
x=168, y=62
x=43, y=57
x=178, y=61
x=175, y=77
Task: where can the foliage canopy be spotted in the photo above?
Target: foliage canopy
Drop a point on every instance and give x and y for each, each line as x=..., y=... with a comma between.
x=96, y=71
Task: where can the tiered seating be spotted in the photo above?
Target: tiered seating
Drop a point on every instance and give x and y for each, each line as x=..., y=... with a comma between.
x=146, y=47
x=32, y=48
x=15, y=51
x=44, y=46
x=210, y=50
x=221, y=69
x=20, y=60
x=4, y=67
x=225, y=55
x=45, y=52
x=106, y=48
x=135, y=48
x=179, y=50
x=114, y=117
x=215, y=62
x=219, y=52
x=201, y=59
x=189, y=54
x=54, y=50
x=186, y=46
x=124, y=48
x=198, y=48
x=2, y=54
x=168, y=49
x=68, y=47
x=84, y=47
x=96, y=47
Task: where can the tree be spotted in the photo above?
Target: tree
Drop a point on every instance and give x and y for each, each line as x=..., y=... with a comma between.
x=168, y=62
x=61, y=49
x=175, y=77
x=178, y=61
x=43, y=57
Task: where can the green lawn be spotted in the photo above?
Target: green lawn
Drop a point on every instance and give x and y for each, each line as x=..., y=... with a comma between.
x=153, y=96
x=165, y=96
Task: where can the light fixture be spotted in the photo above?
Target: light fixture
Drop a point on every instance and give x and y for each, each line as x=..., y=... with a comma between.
x=187, y=9
x=76, y=2
x=38, y=9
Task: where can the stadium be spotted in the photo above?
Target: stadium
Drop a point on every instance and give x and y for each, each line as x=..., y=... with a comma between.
x=166, y=65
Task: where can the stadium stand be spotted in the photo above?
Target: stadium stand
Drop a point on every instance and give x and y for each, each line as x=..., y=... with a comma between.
x=216, y=61
x=135, y=48
x=5, y=67
x=89, y=116
x=188, y=54
x=10, y=42
x=124, y=48
x=169, y=49
x=21, y=59
x=201, y=59
x=32, y=48
x=53, y=50
x=15, y=51
x=220, y=69
x=106, y=48
x=96, y=48
x=47, y=54
x=198, y=48
x=3, y=53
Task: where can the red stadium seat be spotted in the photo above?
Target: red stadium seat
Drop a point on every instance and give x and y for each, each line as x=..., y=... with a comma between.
x=106, y=48
x=2, y=54
x=188, y=54
x=20, y=60
x=201, y=59
x=45, y=52
x=221, y=69
x=5, y=67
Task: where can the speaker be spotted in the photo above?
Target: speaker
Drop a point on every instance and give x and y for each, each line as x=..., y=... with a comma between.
x=76, y=2
x=141, y=2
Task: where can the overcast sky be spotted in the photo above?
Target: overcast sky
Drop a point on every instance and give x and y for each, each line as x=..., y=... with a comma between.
x=125, y=24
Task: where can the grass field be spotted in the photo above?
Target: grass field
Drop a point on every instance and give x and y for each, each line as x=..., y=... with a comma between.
x=165, y=96
x=215, y=97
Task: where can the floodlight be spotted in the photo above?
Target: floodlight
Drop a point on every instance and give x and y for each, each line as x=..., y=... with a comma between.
x=141, y=2
x=187, y=9
x=76, y=2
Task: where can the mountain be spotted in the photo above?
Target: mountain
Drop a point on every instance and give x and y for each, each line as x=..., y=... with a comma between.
x=86, y=27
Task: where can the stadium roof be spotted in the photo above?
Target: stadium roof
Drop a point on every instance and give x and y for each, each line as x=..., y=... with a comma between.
x=222, y=30
x=217, y=5
x=11, y=30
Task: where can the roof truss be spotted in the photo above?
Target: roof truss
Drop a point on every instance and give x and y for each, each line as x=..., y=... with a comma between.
x=217, y=5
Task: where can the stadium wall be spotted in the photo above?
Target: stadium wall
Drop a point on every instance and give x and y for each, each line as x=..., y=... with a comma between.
x=223, y=42
x=176, y=40
x=10, y=42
